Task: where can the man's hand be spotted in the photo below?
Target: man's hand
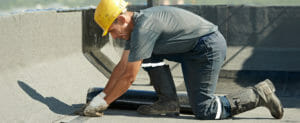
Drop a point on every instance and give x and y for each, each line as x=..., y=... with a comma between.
x=96, y=107
x=81, y=112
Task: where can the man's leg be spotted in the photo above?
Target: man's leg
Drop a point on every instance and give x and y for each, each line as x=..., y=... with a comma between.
x=201, y=74
x=201, y=68
x=151, y=63
x=163, y=83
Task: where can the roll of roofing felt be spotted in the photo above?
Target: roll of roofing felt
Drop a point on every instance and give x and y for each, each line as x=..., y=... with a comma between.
x=132, y=99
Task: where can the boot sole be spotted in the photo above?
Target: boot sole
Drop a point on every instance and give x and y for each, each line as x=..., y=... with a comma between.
x=145, y=110
x=172, y=114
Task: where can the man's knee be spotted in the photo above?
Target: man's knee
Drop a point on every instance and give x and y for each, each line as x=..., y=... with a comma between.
x=210, y=109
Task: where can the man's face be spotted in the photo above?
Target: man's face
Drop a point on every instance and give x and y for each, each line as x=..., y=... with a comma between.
x=119, y=30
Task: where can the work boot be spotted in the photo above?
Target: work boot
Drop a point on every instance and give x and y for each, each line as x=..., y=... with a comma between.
x=262, y=94
x=164, y=86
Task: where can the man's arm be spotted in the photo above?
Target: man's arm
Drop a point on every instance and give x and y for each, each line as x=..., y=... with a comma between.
x=124, y=81
x=117, y=72
x=122, y=77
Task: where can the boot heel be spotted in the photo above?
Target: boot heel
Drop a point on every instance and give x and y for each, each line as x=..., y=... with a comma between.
x=175, y=114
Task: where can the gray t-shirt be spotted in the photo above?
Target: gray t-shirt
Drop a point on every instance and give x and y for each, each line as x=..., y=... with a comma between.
x=165, y=30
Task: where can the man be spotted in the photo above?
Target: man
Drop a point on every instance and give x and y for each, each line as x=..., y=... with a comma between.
x=178, y=35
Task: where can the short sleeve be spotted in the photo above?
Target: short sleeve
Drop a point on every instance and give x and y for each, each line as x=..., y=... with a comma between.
x=142, y=43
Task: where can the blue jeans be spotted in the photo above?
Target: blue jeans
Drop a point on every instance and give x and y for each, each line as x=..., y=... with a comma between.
x=201, y=67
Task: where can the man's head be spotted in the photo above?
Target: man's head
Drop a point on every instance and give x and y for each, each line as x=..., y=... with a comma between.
x=111, y=16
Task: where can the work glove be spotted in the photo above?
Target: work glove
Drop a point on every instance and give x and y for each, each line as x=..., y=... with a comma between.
x=95, y=107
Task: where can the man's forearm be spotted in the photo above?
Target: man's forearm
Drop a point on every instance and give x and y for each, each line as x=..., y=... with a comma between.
x=117, y=72
x=123, y=83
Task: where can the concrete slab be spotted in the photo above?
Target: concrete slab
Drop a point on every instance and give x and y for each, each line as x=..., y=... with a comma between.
x=57, y=110
x=127, y=116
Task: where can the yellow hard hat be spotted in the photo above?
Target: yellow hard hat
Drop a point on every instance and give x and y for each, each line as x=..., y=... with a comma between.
x=107, y=11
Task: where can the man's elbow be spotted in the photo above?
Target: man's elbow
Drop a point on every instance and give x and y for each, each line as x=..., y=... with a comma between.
x=130, y=78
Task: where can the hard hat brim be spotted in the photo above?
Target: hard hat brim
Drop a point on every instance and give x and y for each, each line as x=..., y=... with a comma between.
x=104, y=33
